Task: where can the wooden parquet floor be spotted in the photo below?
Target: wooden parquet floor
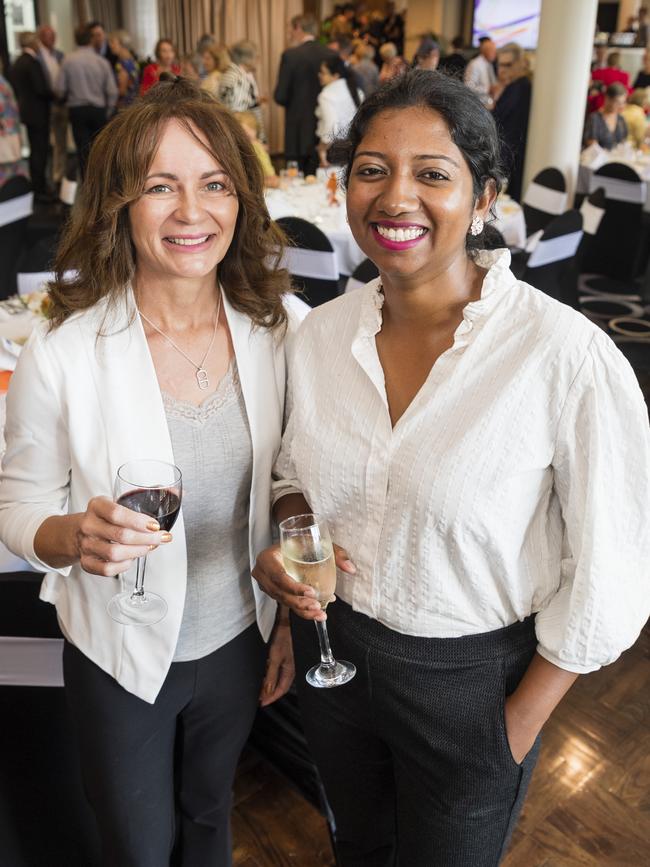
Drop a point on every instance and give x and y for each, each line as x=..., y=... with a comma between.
x=588, y=804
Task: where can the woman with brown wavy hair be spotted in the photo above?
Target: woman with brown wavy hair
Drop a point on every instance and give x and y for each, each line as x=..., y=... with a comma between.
x=168, y=344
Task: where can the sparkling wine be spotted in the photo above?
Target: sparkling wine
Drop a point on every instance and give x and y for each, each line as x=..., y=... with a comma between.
x=317, y=570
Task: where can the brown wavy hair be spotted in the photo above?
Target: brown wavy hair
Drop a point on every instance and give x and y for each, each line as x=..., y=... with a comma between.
x=97, y=244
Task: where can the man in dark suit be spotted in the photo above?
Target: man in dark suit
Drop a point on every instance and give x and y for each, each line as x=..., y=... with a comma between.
x=34, y=98
x=297, y=90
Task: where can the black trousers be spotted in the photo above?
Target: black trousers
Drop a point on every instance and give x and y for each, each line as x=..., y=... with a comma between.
x=153, y=772
x=86, y=122
x=39, y=138
x=413, y=751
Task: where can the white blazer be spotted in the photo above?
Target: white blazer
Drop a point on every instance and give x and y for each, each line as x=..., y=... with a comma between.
x=78, y=407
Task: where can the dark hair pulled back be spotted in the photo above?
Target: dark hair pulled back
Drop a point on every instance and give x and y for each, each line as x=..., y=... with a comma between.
x=338, y=67
x=471, y=126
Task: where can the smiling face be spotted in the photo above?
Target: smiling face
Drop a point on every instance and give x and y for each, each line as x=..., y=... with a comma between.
x=183, y=223
x=410, y=197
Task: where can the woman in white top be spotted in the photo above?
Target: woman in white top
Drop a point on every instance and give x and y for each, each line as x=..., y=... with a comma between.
x=169, y=344
x=337, y=103
x=482, y=453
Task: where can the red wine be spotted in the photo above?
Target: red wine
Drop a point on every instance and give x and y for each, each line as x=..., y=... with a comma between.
x=161, y=503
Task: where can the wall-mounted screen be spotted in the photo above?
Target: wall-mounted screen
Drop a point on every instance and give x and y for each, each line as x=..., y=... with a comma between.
x=507, y=21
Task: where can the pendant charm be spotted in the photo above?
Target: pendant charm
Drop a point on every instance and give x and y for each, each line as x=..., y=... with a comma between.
x=202, y=378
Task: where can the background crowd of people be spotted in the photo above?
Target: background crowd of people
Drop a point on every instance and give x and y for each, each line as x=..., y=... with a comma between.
x=327, y=69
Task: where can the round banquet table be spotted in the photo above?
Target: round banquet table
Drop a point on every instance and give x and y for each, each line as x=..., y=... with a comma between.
x=310, y=202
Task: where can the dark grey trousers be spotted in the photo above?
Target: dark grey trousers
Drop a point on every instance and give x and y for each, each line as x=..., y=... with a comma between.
x=413, y=751
x=144, y=764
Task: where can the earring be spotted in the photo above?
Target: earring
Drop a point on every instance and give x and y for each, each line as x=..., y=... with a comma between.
x=477, y=225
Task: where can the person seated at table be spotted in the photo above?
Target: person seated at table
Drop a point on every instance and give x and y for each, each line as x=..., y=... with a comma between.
x=610, y=74
x=249, y=124
x=606, y=126
x=482, y=453
x=337, y=102
x=168, y=343
x=634, y=115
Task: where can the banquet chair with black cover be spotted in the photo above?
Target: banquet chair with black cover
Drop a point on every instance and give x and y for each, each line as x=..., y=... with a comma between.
x=16, y=206
x=311, y=261
x=549, y=265
x=616, y=250
x=545, y=199
x=44, y=817
x=362, y=274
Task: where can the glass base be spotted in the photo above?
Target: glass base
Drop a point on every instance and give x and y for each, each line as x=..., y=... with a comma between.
x=137, y=611
x=325, y=676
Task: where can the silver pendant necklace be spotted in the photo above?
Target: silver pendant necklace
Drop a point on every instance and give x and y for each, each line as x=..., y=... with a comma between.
x=201, y=373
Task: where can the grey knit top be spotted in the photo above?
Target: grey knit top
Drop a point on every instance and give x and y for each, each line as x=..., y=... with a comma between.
x=212, y=447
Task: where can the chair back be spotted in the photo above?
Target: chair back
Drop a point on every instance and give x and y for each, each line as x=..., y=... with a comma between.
x=545, y=199
x=362, y=274
x=311, y=261
x=16, y=207
x=549, y=265
x=617, y=243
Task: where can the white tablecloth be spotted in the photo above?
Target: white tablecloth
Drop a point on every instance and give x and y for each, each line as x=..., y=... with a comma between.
x=310, y=201
x=640, y=164
x=510, y=222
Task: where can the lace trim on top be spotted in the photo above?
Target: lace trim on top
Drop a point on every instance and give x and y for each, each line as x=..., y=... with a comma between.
x=228, y=391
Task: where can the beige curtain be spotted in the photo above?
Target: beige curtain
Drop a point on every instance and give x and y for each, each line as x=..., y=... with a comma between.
x=262, y=21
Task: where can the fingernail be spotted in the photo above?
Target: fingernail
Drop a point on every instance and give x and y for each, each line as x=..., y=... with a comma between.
x=166, y=537
x=268, y=689
x=154, y=526
x=310, y=592
x=152, y=547
x=350, y=565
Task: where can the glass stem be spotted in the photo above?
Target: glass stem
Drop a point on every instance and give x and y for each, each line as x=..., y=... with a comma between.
x=326, y=657
x=138, y=592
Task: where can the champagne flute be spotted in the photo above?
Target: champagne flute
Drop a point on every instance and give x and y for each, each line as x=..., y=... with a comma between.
x=152, y=488
x=308, y=558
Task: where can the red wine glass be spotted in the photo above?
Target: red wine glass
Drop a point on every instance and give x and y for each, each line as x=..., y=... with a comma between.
x=152, y=488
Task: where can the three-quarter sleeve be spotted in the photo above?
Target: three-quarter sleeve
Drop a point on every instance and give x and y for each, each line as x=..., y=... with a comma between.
x=601, y=471
x=34, y=484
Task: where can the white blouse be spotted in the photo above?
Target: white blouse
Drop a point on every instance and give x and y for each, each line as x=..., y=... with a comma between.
x=335, y=110
x=517, y=481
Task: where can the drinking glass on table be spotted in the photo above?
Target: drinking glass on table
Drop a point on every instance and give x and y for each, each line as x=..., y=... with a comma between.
x=152, y=488
x=308, y=558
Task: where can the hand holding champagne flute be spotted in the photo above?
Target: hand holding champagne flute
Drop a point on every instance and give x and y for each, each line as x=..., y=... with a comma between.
x=308, y=557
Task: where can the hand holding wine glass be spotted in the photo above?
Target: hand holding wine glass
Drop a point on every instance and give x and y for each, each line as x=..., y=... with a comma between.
x=270, y=573
x=155, y=489
x=308, y=557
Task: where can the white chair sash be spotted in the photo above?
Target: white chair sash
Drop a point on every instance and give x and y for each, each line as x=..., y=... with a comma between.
x=29, y=281
x=31, y=661
x=316, y=264
x=618, y=190
x=591, y=217
x=554, y=250
x=353, y=284
x=68, y=191
x=16, y=209
x=533, y=240
x=544, y=199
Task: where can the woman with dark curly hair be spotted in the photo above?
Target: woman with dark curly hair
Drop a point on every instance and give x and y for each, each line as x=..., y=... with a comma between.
x=167, y=344
x=482, y=453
